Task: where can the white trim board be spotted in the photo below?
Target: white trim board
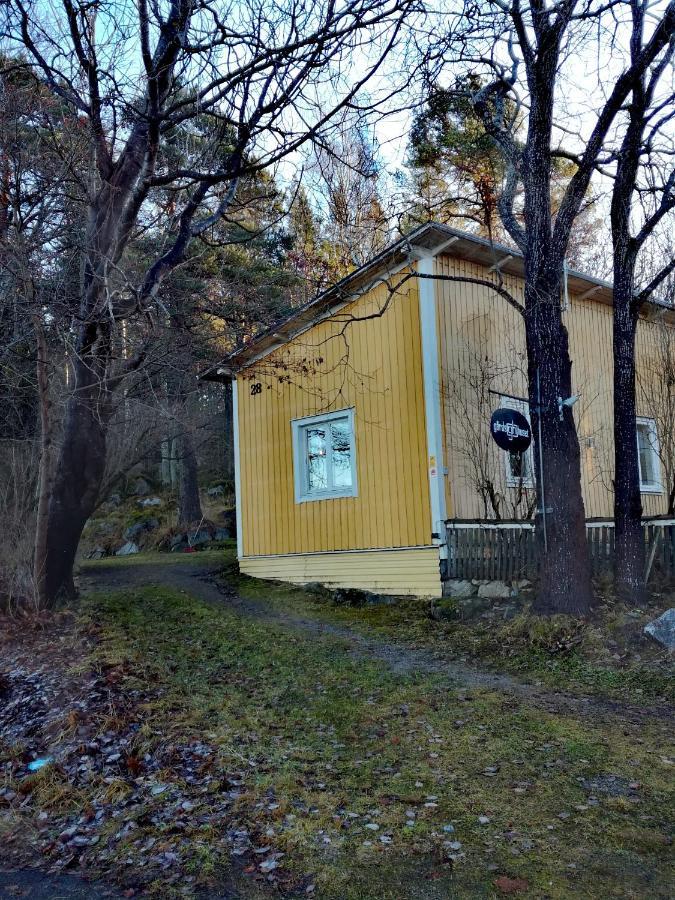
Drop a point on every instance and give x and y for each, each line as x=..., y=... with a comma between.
x=237, y=471
x=432, y=402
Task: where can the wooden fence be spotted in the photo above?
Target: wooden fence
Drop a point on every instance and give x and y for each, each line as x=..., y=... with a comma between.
x=508, y=551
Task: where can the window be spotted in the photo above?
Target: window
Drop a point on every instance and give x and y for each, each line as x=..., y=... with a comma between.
x=519, y=466
x=648, y=456
x=324, y=456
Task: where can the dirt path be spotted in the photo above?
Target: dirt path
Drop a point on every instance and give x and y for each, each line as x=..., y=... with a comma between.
x=201, y=581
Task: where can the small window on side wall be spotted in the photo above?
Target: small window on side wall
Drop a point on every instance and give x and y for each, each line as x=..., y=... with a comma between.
x=648, y=456
x=324, y=456
x=519, y=466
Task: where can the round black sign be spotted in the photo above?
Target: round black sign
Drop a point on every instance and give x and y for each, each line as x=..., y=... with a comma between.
x=511, y=430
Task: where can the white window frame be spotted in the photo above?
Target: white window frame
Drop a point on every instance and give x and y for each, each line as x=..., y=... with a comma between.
x=299, y=427
x=511, y=480
x=656, y=488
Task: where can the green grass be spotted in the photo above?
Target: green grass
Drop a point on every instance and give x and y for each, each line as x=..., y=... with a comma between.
x=526, y=645
x=326, y=735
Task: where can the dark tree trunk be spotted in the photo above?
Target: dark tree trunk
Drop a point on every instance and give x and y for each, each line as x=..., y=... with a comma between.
x=78, y=476
x=189, y=505
x=630, y=551
x=565, y=576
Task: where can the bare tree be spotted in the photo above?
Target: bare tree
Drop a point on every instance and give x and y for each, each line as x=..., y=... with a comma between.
x=471, y=395
x=643, y=200
x=523, y=52
x=143, y=78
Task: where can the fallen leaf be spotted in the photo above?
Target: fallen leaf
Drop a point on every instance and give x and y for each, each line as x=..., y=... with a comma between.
x=510, y=885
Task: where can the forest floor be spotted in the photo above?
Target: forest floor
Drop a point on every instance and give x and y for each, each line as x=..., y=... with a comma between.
x=214, y=736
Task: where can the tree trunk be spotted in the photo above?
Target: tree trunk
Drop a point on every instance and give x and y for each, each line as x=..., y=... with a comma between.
x=565, y=575
x=629, y=560
x=189, y=505
x=79, y=474
x=45, y=480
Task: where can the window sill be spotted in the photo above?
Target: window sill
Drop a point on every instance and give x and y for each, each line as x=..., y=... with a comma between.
x=646, y=489
x=525, y=484
x=333, y=495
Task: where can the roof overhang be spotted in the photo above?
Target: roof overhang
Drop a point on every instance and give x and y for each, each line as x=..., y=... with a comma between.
x=427, y=240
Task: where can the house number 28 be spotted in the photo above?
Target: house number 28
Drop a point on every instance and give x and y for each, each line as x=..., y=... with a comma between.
x=256, y=388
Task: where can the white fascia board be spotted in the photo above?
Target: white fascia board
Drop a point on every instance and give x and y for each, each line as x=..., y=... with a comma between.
x=432, y=401
x=237, y=471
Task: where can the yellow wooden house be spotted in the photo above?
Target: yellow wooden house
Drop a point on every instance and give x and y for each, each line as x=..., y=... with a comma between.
x=361, y=424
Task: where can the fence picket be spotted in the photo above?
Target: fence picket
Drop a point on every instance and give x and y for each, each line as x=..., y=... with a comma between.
x=510, y=551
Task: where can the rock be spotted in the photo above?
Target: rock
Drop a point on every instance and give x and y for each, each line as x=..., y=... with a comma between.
x=494, y=590
x=177, y=542
x=663, y=629
x=356, y=597
x=196, y=538
x=140, y=487
x=114, y=500
x=459, y=589
x=104, y=527
x=127, y=549
x=216, y=491
x=150, y=501
x=229, y=519
x=138, y=528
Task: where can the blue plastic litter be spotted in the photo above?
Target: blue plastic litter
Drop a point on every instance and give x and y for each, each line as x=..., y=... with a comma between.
x=37, y=764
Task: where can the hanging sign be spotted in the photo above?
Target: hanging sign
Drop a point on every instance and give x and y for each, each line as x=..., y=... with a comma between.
x=511, y=430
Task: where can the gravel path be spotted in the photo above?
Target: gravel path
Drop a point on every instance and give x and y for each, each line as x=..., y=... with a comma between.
x=202, y=581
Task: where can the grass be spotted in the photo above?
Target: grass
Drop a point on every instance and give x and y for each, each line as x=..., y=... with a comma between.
x=324, y=745
x=608, y=656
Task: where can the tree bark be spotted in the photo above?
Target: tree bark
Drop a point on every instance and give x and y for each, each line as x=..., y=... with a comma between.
x=189, y=504
x=81, y=466
x=565, y=575
x=630, y=551
x=45, y=479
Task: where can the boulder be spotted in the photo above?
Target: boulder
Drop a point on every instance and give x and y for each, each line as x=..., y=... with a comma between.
x=150, y=501
x=127, y=549
x=197, y=538
x=177, y=542
x=494, y=590
x=459, y=589
x=140, y=487
x=229, y=519
x=138, y=528
x=216, y=491
x=357, y=597
x=663, y=629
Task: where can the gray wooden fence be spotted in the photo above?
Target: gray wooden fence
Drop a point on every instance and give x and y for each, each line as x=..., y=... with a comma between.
x=508, y=551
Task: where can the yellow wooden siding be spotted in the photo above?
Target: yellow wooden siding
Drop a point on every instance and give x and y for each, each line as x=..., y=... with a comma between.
x=376, y=368
x=473, y=321
x=413, y=571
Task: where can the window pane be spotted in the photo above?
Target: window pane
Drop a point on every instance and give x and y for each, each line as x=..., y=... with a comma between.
x=342, y=456
x=317, y=463
x=519, y=465
x=646, y=454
